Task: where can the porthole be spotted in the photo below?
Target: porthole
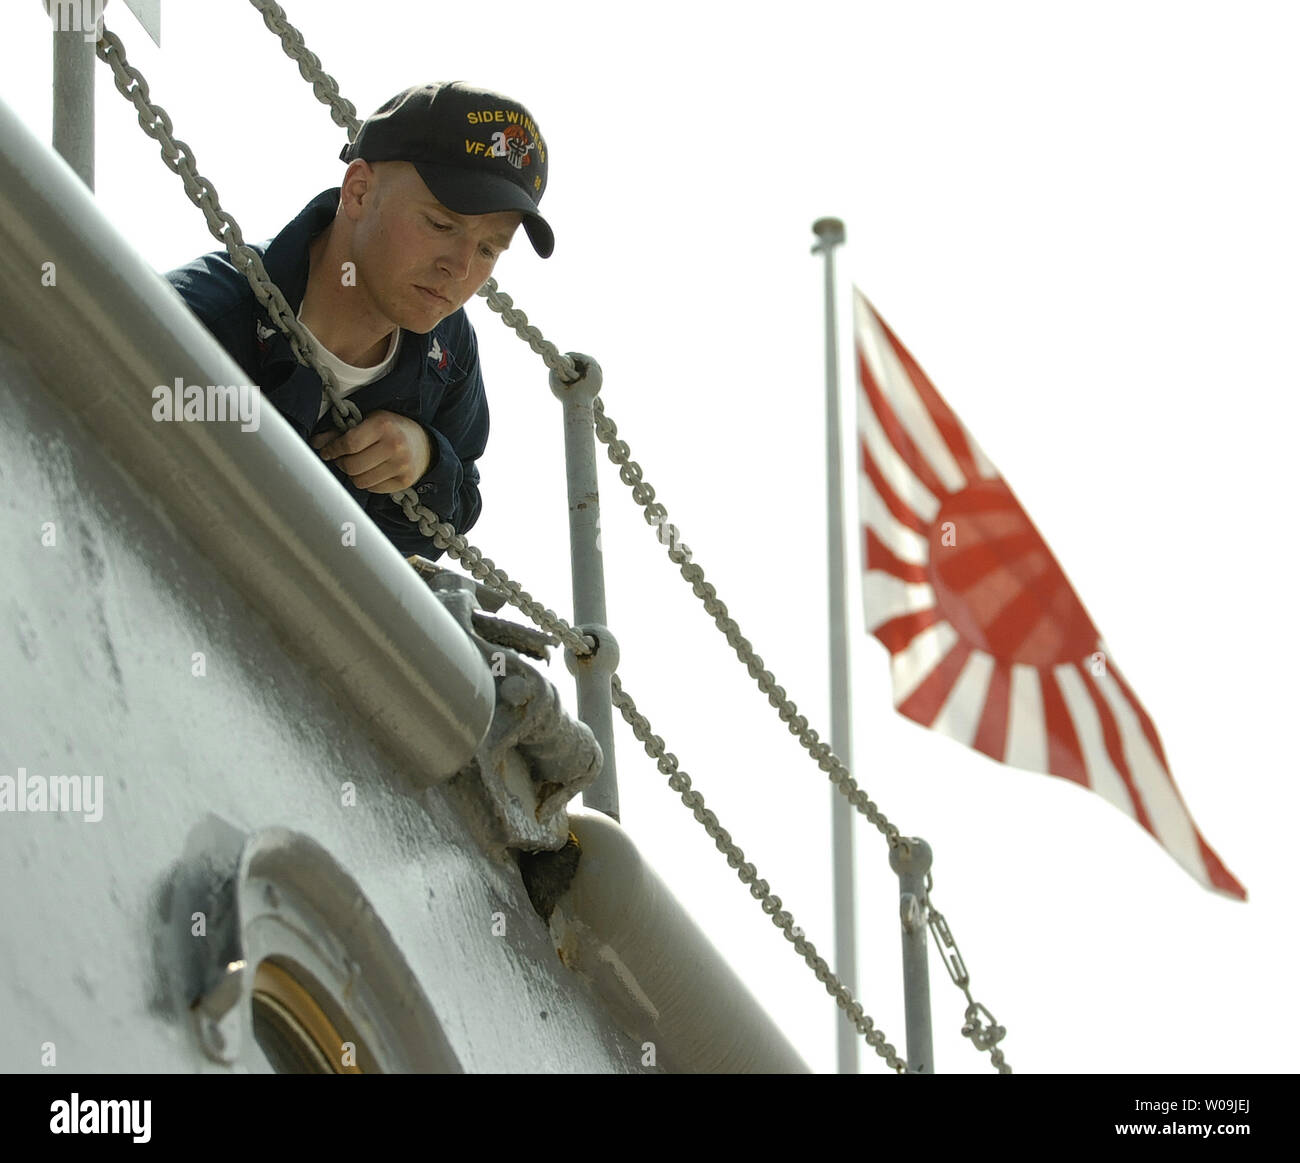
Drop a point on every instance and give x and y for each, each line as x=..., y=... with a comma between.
x=298, y=973
x=293, y=1029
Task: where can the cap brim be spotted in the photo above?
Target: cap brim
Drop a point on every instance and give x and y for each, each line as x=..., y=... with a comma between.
x=470, y=193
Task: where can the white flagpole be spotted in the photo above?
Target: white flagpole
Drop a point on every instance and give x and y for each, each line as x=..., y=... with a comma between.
x=830, y=233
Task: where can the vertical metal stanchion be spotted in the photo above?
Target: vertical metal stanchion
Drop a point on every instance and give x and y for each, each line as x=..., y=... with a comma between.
x=592, y=671
x=911, y=860
x=830, y=233
x=74, y=87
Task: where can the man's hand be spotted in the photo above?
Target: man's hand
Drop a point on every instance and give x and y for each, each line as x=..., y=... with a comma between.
x=384, y=453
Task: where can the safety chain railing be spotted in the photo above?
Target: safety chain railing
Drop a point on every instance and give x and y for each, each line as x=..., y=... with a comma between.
x=344, y=113
x=180, y=159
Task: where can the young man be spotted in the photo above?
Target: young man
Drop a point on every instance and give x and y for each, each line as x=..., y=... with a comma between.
x=378, y=270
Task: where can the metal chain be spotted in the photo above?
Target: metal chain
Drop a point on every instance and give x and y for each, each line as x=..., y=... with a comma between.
x=180, y=160
x=323, y=85
x=563, y=365
x=982, y=1037
x=656, y=515
x=486, y=571
x=680, y=782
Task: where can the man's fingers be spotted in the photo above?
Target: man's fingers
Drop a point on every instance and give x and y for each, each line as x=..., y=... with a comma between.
x=367, y=460
x=389, y=469
x=354, y=440
x=376, y=454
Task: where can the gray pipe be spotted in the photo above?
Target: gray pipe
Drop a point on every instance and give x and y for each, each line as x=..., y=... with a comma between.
x=620, y=927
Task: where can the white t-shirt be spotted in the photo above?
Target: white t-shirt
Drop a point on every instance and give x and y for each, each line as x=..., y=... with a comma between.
x=348, y=377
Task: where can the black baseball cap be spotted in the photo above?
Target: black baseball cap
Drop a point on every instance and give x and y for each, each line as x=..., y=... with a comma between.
x=477, y=151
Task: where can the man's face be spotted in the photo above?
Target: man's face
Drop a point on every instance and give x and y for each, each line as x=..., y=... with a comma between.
x=417, y=260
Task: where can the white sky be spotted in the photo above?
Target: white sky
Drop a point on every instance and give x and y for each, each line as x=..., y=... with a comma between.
x=1081, y=220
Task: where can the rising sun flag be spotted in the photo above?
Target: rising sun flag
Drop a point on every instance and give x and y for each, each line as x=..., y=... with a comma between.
x=989, y=643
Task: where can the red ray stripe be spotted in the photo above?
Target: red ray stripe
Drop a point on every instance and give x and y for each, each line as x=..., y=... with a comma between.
x=1115, y=748
x=1219, y=875
x=925, y=702
x=902, y=511
x=896, y=433
x=898, y=633
x=1064, y=755
x=880, y=556
x=950, y=428
x=991, y=738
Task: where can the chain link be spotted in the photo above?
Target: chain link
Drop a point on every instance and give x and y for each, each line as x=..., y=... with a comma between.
x=760, y=890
